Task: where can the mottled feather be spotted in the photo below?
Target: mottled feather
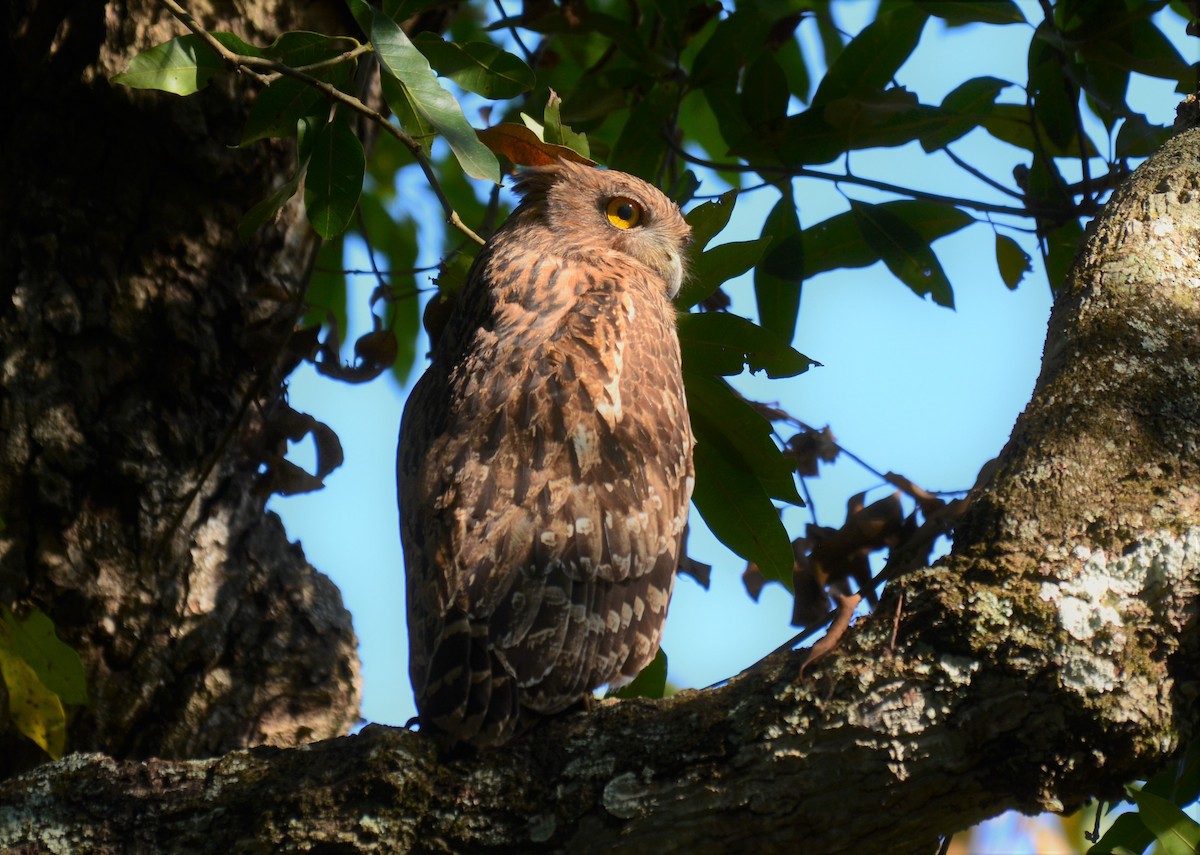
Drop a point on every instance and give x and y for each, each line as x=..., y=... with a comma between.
x=545, y=461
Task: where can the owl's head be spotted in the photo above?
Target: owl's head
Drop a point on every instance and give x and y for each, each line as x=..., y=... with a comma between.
x=588, y=209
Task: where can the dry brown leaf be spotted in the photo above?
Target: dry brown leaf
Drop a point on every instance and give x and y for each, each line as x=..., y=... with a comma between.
x=826, y=644
x=524, y=148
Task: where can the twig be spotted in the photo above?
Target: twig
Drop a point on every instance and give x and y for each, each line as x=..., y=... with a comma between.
x=845, y=178
x=254, y=64
x=986, y=179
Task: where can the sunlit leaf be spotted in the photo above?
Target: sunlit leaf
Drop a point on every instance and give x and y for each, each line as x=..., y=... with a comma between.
x=1176, y=832
x=558, y=134
x=523, y=147
x=400, y=60
x=40, y=673
x=404, y=106
x=35, y=710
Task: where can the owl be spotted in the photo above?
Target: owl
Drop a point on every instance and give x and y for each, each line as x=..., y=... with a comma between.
x=545, y=461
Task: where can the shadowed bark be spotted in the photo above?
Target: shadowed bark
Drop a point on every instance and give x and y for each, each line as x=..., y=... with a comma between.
x=140, y=368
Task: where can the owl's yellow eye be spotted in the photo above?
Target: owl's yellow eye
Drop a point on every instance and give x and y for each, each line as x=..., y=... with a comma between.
x=623, y=212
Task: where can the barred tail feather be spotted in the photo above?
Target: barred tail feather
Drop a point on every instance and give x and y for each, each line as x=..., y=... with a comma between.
x=472, y=697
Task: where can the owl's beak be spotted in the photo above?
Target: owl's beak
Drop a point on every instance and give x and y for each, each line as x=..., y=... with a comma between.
x=673, y=273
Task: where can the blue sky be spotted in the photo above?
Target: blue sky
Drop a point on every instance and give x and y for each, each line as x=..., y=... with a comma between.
x=906, y=385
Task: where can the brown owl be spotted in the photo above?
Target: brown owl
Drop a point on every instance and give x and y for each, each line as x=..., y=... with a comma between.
x=545, y=461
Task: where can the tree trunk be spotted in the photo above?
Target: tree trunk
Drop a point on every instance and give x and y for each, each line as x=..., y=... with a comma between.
x=141, y=372
x=1052, y=657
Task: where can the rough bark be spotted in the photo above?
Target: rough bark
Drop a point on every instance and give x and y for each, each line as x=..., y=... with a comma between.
x=1054, y=656
x=140, y=366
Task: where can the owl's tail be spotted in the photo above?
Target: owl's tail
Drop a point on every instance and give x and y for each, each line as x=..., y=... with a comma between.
x=471, y=697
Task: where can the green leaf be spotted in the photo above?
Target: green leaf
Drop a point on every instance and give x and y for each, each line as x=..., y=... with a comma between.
x=1176, y=832
x=399, y=59
x=959, y=13
x=1012, y=261
x=777, y=279
x=555, y=132
x=1061, y=246
x=35, y=710
x=838, y=242
x=1140, y=47
x=479, y=67
x=964, y=108
x=335, y=178
x=642, y=145
x=721, y=343
x=723, y=418
x=1187, y=781
x=40, y=672
x=872, y=58
x=904, y=251
x=402, y=104
x=278, y=108
x=56, y=663
x=707, y=220
x=307, y=131
x=182, y=66
x=1127, y=833
x=651, y=682
x=739, y=512
x=326, y=296
x=1055, y=95
x=718, y=265
x=1011, y=123
x=299, y=47
x=764, y=97
x=1138, y=138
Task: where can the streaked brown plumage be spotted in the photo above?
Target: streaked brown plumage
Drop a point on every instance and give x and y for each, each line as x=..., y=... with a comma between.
x=545, y=460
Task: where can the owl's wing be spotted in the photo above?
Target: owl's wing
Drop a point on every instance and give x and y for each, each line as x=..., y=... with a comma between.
x=554, y=495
